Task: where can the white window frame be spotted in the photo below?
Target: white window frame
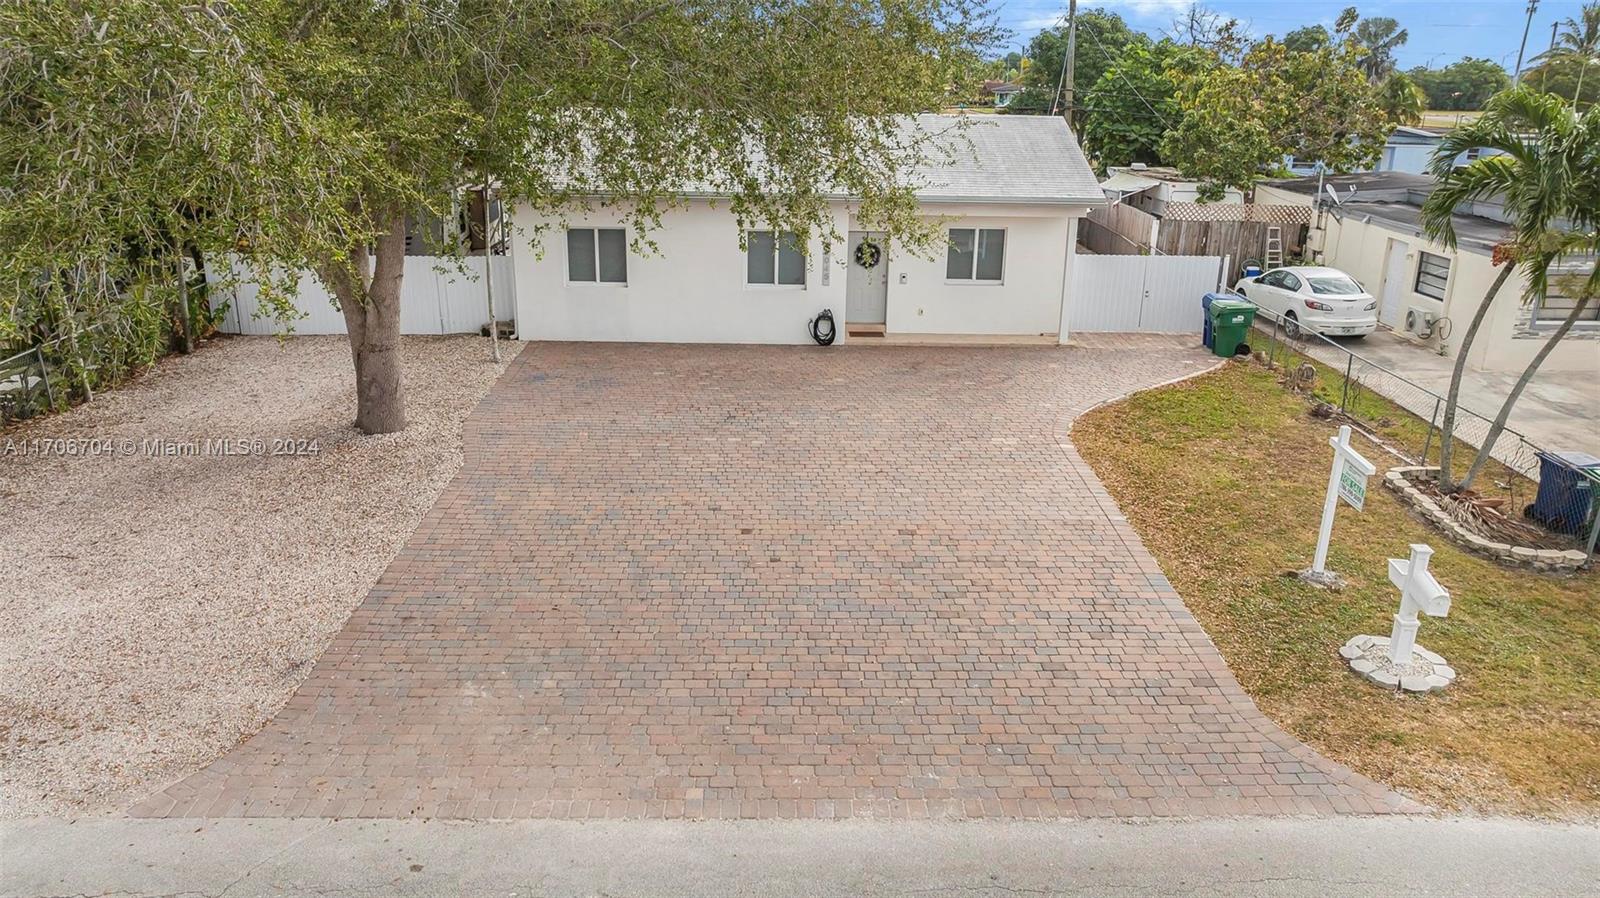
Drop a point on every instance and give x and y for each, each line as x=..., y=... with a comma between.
x=777, y=244
x=566, y=258
x=975, y=281
x=1449, y=269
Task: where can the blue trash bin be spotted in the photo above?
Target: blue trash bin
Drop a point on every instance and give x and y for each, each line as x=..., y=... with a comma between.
x=1565, y=495
x=1206, y=337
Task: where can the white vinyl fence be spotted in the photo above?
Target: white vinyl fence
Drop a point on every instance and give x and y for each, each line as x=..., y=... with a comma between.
x=435, y=298
x=1141, y=294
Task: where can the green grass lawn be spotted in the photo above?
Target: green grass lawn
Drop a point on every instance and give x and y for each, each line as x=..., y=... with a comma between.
x=1223, y=477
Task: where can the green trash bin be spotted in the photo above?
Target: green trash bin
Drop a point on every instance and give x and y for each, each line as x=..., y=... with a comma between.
x=1230, y=321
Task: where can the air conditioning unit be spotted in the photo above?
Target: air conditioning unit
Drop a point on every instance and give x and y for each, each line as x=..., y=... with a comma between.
x=1421, y=321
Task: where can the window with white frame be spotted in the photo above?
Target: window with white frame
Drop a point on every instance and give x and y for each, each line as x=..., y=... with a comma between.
x=597, y=256
x=774, y=258
x=976, y=254
x=1433, y=272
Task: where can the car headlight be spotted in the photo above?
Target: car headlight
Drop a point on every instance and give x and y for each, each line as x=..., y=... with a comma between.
x=1370, y=306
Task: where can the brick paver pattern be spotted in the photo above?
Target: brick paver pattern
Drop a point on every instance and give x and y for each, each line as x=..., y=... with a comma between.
x=676, y=581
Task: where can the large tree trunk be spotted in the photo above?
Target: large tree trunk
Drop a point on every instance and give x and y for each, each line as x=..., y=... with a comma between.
x=1447, y=426
x=372, y=320
x=1484, y=451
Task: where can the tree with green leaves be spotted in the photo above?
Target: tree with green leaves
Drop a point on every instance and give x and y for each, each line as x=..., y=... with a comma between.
x=1308, y=39
x=133, y=135
x=1577, y=46
x=1545, y=175
x=1128, y=111
x=1564, y=77
x=1240, y=120
x=1101, y=36
x=1462, y=85
x=303, y=133
x=1379, y=37
x=1402, y=100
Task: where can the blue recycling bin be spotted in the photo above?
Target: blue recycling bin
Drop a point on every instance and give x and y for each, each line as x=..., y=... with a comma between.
x=1565, y=492
x=1206, y=337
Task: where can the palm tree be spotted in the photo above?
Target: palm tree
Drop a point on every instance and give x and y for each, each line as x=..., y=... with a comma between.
x=1379, y=37
x=1578, y=43
x=1547, y=179
x=1402, y=100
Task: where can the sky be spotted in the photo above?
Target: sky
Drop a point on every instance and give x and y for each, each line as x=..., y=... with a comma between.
x=1440, y=32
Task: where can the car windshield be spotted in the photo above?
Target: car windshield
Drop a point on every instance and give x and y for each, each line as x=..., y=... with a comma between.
x=1336, y=286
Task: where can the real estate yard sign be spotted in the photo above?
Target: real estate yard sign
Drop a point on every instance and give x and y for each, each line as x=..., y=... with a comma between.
x=1352, y=486
x=1347, y=481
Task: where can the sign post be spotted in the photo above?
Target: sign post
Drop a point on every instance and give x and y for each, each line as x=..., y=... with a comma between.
x=1347, y=480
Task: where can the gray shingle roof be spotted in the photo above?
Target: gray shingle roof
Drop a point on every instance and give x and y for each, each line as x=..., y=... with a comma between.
x=1007, y=159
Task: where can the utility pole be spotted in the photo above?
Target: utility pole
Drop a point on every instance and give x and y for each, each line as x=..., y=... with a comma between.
x=1064, y=85
x=1533, y=5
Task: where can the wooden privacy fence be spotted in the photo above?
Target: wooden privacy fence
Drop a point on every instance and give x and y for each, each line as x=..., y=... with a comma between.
x=1117, y=230
x=1235, y=232
x=1238, y=240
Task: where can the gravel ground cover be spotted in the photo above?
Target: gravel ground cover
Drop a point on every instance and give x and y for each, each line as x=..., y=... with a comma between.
x=156, y=609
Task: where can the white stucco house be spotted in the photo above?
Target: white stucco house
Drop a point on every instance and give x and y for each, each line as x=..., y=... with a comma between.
x=1428, y=292
x=1009, y=204
x=1008, y=194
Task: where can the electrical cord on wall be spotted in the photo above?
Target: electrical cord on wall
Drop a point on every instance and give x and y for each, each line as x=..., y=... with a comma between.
x=822, y=329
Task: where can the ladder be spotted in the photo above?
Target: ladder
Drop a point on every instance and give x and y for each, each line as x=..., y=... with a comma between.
x=1274, y=257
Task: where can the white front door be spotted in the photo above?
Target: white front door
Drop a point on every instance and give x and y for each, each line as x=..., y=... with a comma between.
x=1391, y=312
x=866, y=287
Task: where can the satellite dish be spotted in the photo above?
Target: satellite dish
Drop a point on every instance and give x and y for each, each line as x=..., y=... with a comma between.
x=1332, y=194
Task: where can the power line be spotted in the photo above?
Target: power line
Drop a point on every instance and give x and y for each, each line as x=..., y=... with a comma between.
x=1112, y=64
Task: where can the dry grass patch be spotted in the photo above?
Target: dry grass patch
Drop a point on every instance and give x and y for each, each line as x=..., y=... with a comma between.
x=1223, y=477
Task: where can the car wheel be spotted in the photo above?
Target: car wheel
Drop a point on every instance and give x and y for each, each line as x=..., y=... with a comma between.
x=1291, y=327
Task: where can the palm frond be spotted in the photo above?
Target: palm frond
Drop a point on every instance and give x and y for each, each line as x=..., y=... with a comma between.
x=1485, y=178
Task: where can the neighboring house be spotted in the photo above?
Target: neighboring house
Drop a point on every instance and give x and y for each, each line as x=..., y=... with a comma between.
x=1003, y=92
x=1375, y=235
x=1150, y=188
x=1406, y=150
x=1009, y=202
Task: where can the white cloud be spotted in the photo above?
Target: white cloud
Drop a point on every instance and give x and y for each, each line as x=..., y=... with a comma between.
x=1039, y=23
x=1148, y=8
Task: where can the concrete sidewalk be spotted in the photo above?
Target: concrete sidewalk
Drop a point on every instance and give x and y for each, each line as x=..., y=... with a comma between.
x=1359, y=856
x=1559, y=410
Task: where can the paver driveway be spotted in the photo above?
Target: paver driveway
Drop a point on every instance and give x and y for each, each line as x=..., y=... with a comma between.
x=772, y=582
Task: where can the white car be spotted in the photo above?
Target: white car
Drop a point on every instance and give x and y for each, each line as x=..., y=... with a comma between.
x=1319, y=300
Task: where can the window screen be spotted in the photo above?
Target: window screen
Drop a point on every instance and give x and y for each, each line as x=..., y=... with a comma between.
x=597, y=255
x=774, y=257
x=976, y=254
x=1432, y=274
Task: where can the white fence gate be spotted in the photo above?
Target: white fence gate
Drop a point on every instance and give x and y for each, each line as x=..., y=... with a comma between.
x=1141, y=294
x=435, y=298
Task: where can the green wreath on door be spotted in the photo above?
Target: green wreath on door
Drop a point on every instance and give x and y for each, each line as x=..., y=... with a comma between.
x=868, y=254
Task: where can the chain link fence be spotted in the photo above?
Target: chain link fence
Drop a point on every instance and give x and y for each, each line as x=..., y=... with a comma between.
x=1377, y=398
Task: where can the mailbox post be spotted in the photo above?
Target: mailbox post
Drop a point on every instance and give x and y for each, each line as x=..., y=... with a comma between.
x=1398, y=662
x=1419, y=592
